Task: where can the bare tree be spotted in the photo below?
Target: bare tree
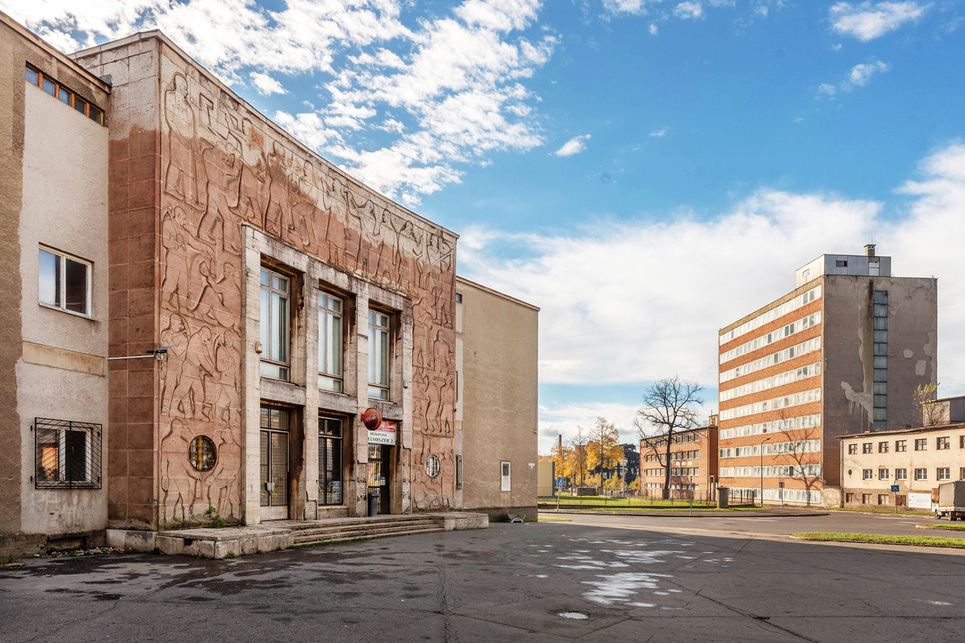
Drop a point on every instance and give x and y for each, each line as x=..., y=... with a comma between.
x=928, y=413
x=668, y=407
x=579, y=444
x=796, y=455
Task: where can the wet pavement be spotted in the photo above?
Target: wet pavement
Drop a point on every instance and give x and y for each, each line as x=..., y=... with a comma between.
x=552, y=581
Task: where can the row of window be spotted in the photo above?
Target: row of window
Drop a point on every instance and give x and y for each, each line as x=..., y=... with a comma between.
x=64, y=95
x=942, y=443
x=773, y=471
x=677, y=438
x=767, y=361
x=787, y=495
x=786, y=424
x=776, y=448
x=676, y=455
x=276, y=341
x=941, y=473
x=879, y=415
x=674, y=471
x=788, y=377
x=783, y=402
x=867, y=498
x=773, y=336
x=772, y=314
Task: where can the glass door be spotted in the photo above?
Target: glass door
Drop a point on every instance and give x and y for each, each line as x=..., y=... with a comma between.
x=379, y=474
x=274, y=463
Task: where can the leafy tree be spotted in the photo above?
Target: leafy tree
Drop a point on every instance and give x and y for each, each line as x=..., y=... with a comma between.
x=925, y=412
x=604, y=447
x=578, y=458
x=669, y=406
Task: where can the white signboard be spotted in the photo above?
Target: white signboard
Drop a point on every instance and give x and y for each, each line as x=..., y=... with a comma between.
x=919, y=501
x=385, y=434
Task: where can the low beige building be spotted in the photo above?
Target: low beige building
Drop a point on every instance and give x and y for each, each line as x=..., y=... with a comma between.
x=54, y=323
x=914, y=460
x=496, y=401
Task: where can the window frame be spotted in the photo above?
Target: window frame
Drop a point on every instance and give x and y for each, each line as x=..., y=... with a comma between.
x=330, y=380
x=505, y=476
x=334, y=446
x=943, y=474
x=268, y=360
x=901, y=473
x=943, y=443
x=901, y=446
x=921, y=473
x=61, y=277
x=93, y=447
x=78, y=103
x=921, y=444
x=379, y=390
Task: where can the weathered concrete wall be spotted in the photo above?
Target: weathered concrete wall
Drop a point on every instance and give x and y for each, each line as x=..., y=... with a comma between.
x=498, y=396
x=849, y=360
x=198, y=164
x=56, y=194
x=64, y=208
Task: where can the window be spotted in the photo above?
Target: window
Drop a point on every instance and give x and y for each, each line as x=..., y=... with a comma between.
x=458, y=297
x=852, y=449
x=882, y=498
x=378, y=355
x=944, y=473
x=961, y=473
x=883, y=474
x=330, y=343
x=202, y=453
x=275, y=322
x=63, y=94
x=866, y=447
x=329, y=460
x=840, y=263
x=458, y=472
x=921, y=474
x=921, y=444
x=68, y=454
x=849, y=497
x=901, y=474
x=505, y=478
x=866, y=498
x=882, y=447
x=901, y=446
x=943, y=443
x=961, y=442
x=64, y=282
x=868, y=474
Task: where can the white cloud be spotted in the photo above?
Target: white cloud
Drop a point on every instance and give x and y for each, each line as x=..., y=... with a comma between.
x=564, y=419
x=453, y=87
x=861, y=74
x=658, y=133
x=867, y=21
x=632, y=7
x=266, y=85
x=689, y=10
x=573, y=146
x=827, y=89
x=653, y=29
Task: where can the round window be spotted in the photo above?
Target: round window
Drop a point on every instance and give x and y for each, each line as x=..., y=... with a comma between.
x=432, y=466
x=202, y=453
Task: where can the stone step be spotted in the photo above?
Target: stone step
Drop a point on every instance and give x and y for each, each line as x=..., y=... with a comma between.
x=343, y=522
x=344, y=538
x=311, y=535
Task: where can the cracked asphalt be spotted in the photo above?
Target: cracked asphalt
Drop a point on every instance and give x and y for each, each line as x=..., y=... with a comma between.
x=551, y=581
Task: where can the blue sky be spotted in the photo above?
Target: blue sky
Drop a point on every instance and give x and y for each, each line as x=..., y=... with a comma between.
x=645, y=171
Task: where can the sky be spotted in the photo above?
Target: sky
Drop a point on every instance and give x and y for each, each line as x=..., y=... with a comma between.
x=644, y=171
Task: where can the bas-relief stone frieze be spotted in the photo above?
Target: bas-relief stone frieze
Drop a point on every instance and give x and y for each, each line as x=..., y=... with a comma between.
x=220, y=166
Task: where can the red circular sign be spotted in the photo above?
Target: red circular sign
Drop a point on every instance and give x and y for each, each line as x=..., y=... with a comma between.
x=371, y=418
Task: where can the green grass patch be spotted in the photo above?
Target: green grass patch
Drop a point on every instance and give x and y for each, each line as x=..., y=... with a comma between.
x=942, y=526
x=876, y=539
x=544, y=518
x=882, y=511
x=571, y=502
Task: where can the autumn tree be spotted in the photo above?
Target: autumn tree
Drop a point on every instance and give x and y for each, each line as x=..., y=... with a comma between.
x=604, y=446
x=669, y=406
x=562, y=455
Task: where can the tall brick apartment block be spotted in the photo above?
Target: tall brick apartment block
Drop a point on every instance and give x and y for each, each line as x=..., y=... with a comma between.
x=842, y=353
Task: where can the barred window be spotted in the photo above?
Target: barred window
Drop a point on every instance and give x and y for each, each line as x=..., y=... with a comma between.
x=68, y=454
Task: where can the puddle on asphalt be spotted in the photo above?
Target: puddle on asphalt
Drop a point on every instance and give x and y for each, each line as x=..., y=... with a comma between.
x=576, y=616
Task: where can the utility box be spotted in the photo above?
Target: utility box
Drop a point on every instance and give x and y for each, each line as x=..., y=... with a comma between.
x=723, y=497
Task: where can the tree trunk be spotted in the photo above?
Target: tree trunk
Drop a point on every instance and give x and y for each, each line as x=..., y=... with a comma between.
x=666, y=478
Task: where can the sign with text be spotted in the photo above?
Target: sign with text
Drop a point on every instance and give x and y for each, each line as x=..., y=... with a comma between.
x=384, y=434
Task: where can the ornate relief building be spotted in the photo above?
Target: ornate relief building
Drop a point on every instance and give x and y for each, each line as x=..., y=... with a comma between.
x=256, y=300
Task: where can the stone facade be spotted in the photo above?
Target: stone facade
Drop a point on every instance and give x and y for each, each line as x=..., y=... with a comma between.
x=205, y=191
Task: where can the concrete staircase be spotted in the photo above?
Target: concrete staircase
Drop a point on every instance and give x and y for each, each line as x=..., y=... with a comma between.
x=347, y=529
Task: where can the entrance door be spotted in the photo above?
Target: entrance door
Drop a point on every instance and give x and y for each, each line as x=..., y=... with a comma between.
x=274, y=463
x=379, y=474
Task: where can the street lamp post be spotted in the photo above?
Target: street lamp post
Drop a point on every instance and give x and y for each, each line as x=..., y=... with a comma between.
x=762, y=469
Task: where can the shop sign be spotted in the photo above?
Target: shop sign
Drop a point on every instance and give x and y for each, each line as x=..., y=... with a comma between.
x=384, y=433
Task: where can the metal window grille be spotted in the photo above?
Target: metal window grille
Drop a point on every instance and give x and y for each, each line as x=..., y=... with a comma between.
x=68, y=454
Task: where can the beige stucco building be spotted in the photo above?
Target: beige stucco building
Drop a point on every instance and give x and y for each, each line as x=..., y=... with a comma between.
x=54, y=321
x=842, y=353
x=215, y=309
x=496, y=407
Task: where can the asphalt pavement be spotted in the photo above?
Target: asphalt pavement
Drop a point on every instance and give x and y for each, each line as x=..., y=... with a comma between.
x=547, y=581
